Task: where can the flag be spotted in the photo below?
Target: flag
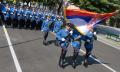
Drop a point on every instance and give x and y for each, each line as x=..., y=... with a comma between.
x=84, y=20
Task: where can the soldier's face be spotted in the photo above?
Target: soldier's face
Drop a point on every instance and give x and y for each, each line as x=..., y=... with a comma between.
x=68, y=28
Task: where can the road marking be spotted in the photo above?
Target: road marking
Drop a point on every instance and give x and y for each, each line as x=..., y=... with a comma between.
x=17, y=65
x=106, y=66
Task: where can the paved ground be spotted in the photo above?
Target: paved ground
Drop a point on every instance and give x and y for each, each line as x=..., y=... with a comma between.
x=33, y=56
x=112, y=42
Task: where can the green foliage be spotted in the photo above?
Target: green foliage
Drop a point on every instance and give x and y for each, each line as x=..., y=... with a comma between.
x=100, y=6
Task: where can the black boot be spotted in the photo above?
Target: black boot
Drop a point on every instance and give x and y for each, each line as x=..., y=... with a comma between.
x=86, y=59
x=57, y=43
x=44, y=42
x=62, y=58
x=86, y=62
x=75, y=55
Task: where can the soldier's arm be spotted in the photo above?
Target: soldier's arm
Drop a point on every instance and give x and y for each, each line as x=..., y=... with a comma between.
x=43, y=24
x=58, y=35
x=78, y=37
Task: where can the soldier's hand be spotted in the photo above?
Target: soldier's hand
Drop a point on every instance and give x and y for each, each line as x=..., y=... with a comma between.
x=94, y=33
x=71, y=32
x=63, y=39
x=88, y=40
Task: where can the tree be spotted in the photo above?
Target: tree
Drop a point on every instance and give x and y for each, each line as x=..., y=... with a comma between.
x=101, y=6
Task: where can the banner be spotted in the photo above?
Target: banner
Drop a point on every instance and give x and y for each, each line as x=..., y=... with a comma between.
x=84, y=20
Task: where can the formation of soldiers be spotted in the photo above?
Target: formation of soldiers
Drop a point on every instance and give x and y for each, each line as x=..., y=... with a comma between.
x=26, y=17
x=36, y=18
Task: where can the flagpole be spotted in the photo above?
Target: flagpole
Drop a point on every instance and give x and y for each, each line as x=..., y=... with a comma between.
x=64, y=10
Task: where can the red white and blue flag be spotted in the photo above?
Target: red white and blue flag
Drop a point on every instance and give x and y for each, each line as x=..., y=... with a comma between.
x=84, y=20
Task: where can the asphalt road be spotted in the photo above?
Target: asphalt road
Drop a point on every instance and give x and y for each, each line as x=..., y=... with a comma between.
x=33, y=56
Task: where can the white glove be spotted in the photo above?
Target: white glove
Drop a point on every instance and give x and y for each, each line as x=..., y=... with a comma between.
x=30, y=16
x=11, y=13
x=71, y=32
x=4, y=12
x=42, y=30
x=63, y=39
x=94, y=33
x=36, y=16
x=71, y=43
x=15, y=9
x=8, y=8
x=88, y=40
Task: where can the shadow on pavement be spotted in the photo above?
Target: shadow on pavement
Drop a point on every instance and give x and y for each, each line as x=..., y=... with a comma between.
x=22, y=42
x=51, y=42
x=79, y=61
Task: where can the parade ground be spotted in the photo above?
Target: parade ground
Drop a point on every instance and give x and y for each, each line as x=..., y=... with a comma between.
x=23, y=51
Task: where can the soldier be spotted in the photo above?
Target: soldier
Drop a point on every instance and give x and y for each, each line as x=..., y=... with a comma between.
x=76, y=44
x=32, y=25
x=8, y=15
x=37, y=19
x=4, y=10
x=63, y=38
x=6, y=18
x=12, y=8
x=52, y=19
x=89, y=38
x=42, y=18
x=58, y=24
x=45, y=28
x=15, y=18
x=28, y=18
x=25, y=17
x=19, y=17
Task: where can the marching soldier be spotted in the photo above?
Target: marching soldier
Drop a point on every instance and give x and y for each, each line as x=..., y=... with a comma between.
x=25, y=17
x=76, y=44
x=15, y=18
x=19, y=17
x=89, y=38
x=28, y=18
x=45, y=28
x=37, y=19
x=12, y=8
x=58, y=24
x=32, y=25
x=63, y=38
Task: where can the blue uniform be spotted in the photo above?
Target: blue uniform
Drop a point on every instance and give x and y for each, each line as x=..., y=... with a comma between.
x=57, y=25
x=11, y=12
x=25, y=15
x=37, y=17
x=45, y=25
x=32, y=15
x=19, y=14
x=6, y=16
x=4, y=10
x=20, y=17
x=88, y=41
x=62, y=34
x=76, y=43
